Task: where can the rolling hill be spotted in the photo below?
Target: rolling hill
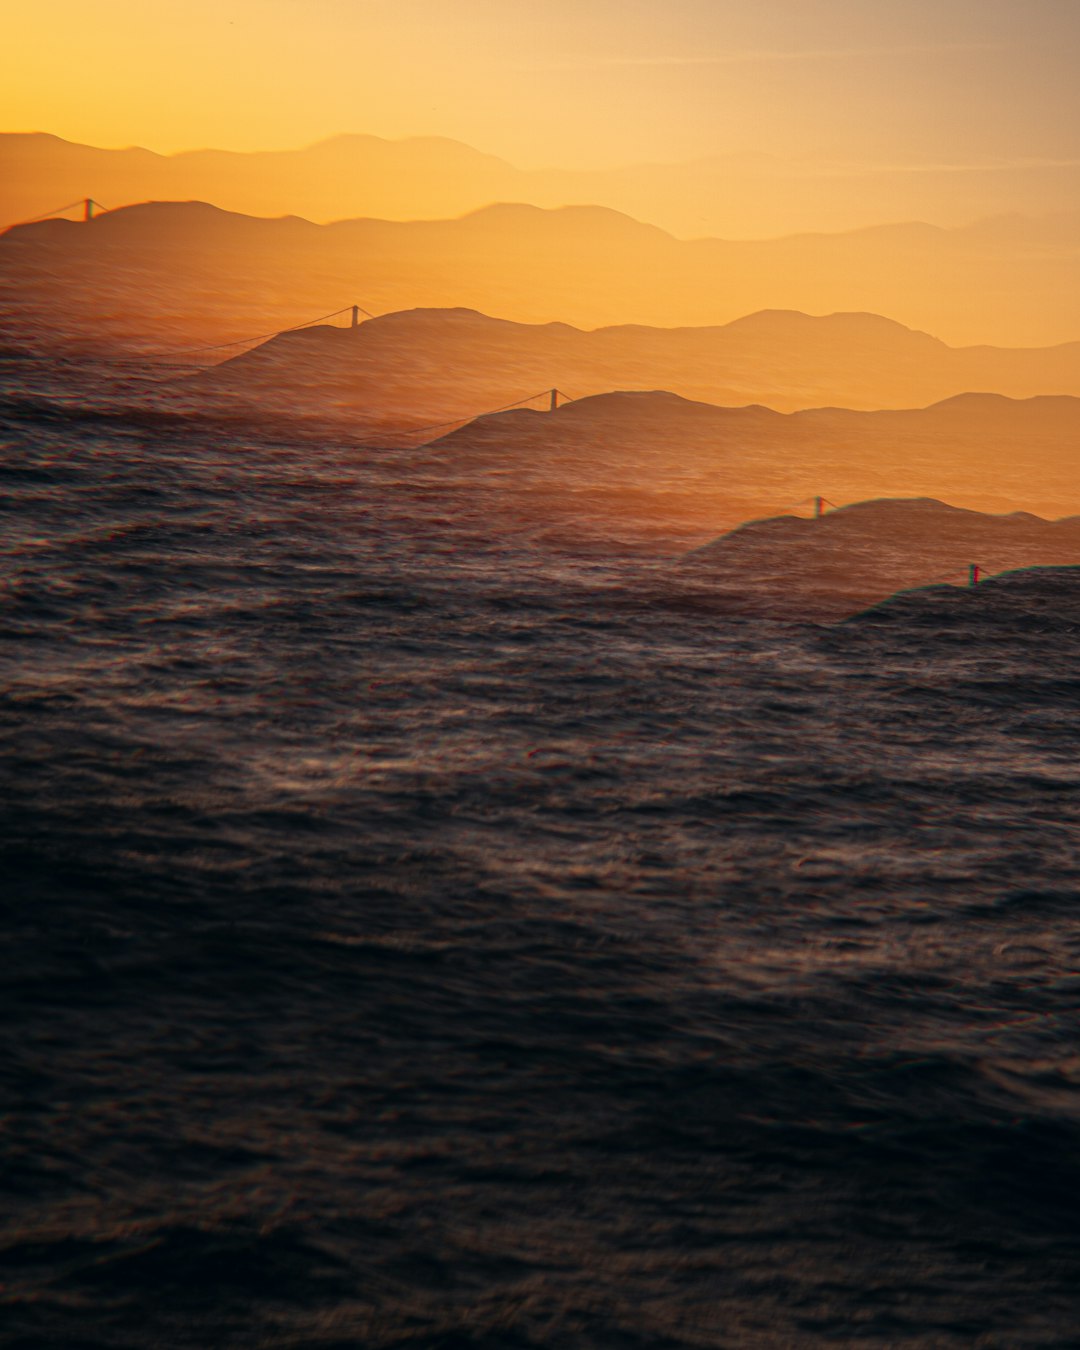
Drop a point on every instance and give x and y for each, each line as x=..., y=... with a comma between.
x=827, y=568
x=166, y=274
x=734, y=195
x=421, y=366
x=654, y=461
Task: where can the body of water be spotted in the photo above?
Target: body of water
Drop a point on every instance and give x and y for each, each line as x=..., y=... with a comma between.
x=428, y=926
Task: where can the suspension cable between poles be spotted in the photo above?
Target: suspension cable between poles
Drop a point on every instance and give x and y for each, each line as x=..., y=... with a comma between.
x=260, y=337
x=48, y=215
x=470, y=417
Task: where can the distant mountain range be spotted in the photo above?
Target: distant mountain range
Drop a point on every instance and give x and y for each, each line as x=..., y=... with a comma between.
x=1031, y=617
x=184, y=272
x=787, y=567
x=735, y=196
x=653, y=459
x=418, y=366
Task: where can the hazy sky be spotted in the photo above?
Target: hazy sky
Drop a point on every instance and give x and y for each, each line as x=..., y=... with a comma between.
x=569, y=82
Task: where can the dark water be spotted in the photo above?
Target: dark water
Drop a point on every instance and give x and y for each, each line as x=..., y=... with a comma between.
x=426, y=926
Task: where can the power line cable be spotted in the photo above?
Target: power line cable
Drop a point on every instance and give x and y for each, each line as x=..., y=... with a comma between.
x=468, y=417
x=260, y=337
x=47, y=215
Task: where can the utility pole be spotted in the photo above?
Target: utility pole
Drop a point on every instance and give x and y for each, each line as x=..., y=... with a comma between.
x=88, y=209
x=554, y=400
x=819, y=507
x=973, y=574
x=356, y=316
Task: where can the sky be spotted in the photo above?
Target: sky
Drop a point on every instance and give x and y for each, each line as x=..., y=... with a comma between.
x=573, y=83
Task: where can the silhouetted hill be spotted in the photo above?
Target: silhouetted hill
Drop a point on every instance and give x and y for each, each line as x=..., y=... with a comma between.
x=828, y=567
x=426, y=365
x=1032, y=614
x=185, y=271
x=736, y=196
x=698, y=463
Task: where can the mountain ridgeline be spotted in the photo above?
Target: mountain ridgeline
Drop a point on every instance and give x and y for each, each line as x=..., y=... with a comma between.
x=169, y=273
x=655, y=457
x=423, y=365
x=827, y=568
x=432, y=177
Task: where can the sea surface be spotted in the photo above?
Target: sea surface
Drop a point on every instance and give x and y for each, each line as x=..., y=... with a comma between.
x=429, y=921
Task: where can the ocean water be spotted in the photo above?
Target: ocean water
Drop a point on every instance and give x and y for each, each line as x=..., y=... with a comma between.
x=429, y=924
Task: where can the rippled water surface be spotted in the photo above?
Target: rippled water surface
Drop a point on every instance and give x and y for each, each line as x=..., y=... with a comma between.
x=428, y=924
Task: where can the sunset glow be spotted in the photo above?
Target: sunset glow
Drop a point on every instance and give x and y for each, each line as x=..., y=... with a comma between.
x=955, y=87
x=539, y=620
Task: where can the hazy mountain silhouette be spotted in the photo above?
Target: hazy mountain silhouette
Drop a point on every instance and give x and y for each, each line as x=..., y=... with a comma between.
x=188, y=271
x=655, y=456
x=422, y=365
x=738, y=195
x=833, y=566
x=1030, y=616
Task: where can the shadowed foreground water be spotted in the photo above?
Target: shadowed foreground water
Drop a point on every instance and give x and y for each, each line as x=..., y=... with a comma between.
x=424, y=928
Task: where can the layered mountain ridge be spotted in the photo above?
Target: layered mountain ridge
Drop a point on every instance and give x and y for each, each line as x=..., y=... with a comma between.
x=420, y=365
x=736, y=195
x=188, y=271
x=827, y=568
x=655, y=456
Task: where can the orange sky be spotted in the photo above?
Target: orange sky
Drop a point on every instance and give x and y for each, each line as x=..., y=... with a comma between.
x=593, y=82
